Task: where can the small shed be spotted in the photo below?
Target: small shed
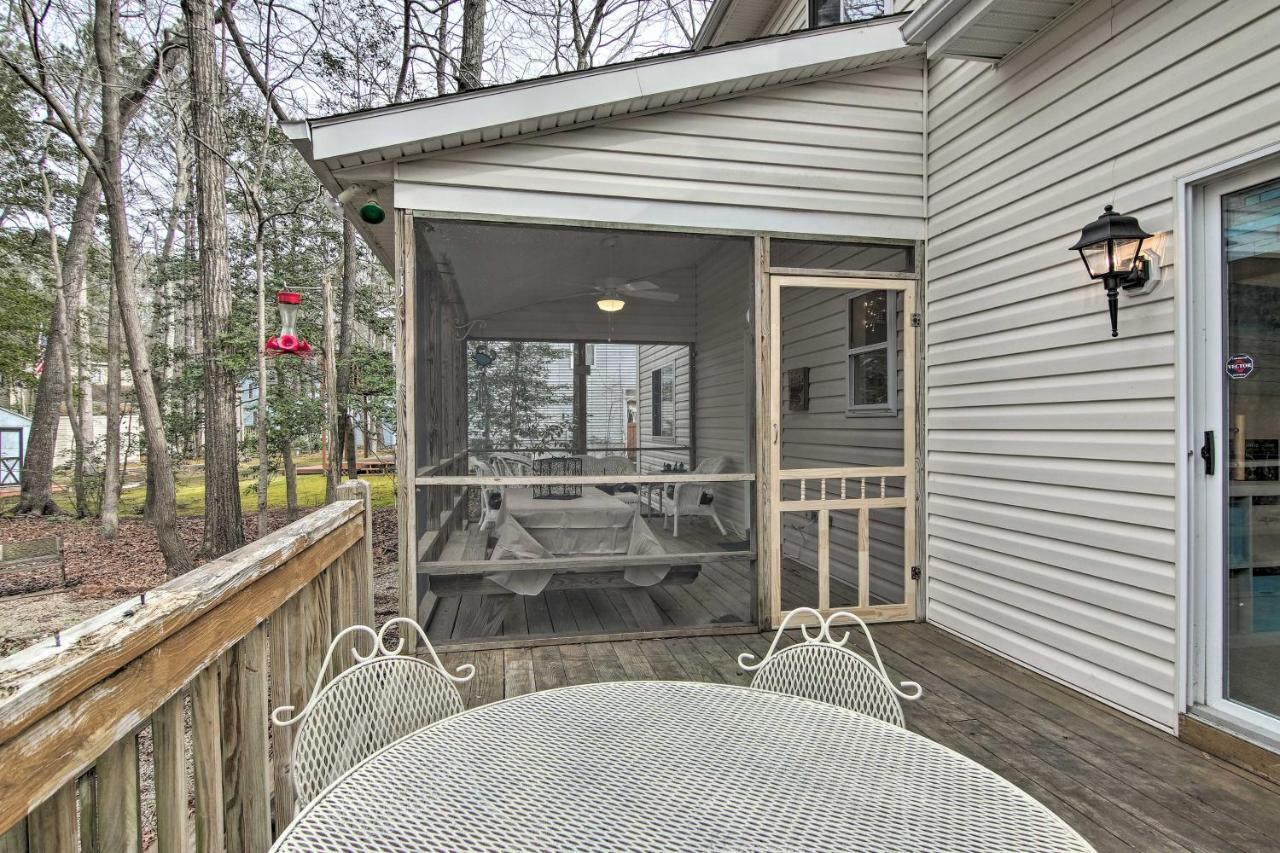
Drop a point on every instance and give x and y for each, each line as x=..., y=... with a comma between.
x=15, y=429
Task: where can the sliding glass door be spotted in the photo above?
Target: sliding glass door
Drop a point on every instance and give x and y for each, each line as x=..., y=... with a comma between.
x=1240, y=578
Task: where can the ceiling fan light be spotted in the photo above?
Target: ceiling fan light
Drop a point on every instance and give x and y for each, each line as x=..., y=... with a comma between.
x=610, y=304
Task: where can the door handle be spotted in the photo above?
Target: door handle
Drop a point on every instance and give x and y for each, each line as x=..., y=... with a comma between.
x=1209, y=453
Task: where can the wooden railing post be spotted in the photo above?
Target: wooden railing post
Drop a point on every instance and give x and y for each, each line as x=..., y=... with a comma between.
x=245, y=769
x=15, y=840
x=117, y=797
x=169, y=760
x=360, y=490
x=206, y=752
x=286, y=642
x=52, y=825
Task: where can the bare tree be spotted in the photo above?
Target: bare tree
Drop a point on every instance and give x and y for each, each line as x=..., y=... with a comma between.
x=37, y=472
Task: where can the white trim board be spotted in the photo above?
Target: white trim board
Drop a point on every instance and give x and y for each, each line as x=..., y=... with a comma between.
x=470, y=202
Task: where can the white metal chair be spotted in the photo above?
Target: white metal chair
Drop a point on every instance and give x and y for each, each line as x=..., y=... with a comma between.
x=689, y=499
x=511, y=464
x=381, y=698
x=828, y=670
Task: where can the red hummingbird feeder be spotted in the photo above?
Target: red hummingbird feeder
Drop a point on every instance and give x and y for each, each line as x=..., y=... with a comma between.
x=288, y=342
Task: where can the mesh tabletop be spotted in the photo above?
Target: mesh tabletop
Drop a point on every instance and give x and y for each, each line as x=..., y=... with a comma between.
x=671, y=766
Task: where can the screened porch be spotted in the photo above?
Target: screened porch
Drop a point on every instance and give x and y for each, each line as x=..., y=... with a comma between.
x=589, y=401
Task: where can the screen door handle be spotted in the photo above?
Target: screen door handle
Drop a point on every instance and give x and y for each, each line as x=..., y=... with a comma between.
x=1208, y=453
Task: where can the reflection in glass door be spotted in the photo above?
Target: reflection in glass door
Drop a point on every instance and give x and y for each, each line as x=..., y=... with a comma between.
x=1250, y=627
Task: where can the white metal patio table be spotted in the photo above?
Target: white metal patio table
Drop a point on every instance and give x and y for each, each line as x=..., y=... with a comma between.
x=666, y=766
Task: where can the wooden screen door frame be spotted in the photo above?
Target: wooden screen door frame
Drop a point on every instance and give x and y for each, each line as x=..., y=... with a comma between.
x=846, y=489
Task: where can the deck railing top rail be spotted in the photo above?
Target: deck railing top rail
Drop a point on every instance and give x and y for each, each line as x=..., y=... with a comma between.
x=41, y=677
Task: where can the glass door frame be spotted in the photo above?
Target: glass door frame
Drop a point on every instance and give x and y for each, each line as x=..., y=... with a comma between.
x=1209, y=504
x=870, y=495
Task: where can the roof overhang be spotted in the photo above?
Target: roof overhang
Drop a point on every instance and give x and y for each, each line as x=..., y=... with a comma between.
x=987, y=30
x=363, y=148
x=353, y=140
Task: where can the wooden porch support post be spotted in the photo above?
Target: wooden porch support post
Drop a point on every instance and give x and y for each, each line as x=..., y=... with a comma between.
x=580, y=372
x=406, y=456
x=765, y=439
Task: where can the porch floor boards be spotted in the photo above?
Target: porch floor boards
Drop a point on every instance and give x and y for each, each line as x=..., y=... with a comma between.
x=1121, y=784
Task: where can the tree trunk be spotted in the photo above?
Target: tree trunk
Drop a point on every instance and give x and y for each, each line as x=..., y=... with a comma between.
x=471, y=62
x=290, y=482
x=63, y=342
x=260, y=414
x=36, y=494
x=331, y=396
x=345, y=319
x=105, y=32
x=111, y=455
x=222, y=524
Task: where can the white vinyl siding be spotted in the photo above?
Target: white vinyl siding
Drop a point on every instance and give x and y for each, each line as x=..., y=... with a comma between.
x=653, y=454
x=835, y=156
x=611, y=382
x=723, y=362
x=1051, y=446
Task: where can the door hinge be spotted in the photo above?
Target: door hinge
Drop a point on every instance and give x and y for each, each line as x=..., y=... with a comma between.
x=915, y=573
x=915, y=320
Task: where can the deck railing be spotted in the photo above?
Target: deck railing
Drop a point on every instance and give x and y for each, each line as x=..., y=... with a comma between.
x=193, y=667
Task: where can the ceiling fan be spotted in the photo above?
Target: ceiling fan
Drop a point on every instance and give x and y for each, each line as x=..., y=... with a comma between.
x=612, y=293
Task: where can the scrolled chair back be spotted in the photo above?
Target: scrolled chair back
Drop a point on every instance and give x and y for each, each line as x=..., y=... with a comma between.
x=378, y=700
x=826, y=669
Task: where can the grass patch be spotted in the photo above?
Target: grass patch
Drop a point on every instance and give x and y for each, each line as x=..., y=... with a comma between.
x=190, y=491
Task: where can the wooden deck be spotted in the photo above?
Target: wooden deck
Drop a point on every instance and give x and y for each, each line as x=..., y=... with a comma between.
x=1121, y=784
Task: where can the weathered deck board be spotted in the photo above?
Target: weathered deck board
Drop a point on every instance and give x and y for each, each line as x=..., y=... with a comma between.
x=1123, y=785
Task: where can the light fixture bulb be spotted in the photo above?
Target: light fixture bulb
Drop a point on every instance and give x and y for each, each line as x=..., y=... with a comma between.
x=610, y=304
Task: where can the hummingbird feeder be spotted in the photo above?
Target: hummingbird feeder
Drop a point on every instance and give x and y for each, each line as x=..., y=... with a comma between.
x=288, y=342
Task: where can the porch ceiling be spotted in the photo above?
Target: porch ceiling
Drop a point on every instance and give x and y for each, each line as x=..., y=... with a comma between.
x=536, y=282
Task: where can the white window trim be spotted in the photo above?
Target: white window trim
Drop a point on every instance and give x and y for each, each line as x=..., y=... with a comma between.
x=890, y=346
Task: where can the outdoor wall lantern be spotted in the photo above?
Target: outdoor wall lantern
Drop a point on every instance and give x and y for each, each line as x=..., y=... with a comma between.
x=1111, y=248
x=371, y=211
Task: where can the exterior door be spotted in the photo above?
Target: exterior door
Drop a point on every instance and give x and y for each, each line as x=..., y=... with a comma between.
x=10, y=457
x=1238, y=569
x=841, y=446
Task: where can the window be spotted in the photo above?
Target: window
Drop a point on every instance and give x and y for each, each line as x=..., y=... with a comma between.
x=823, y=13
x=873, y=352
x=664, y=401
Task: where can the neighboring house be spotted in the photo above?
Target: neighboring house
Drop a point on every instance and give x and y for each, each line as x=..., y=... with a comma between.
x=14, y=432
x=1100, y=509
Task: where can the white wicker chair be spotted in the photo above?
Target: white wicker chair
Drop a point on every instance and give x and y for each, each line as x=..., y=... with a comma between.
x=380, y=699
x=686, y=498
x=490, y=496
x=823, y=668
